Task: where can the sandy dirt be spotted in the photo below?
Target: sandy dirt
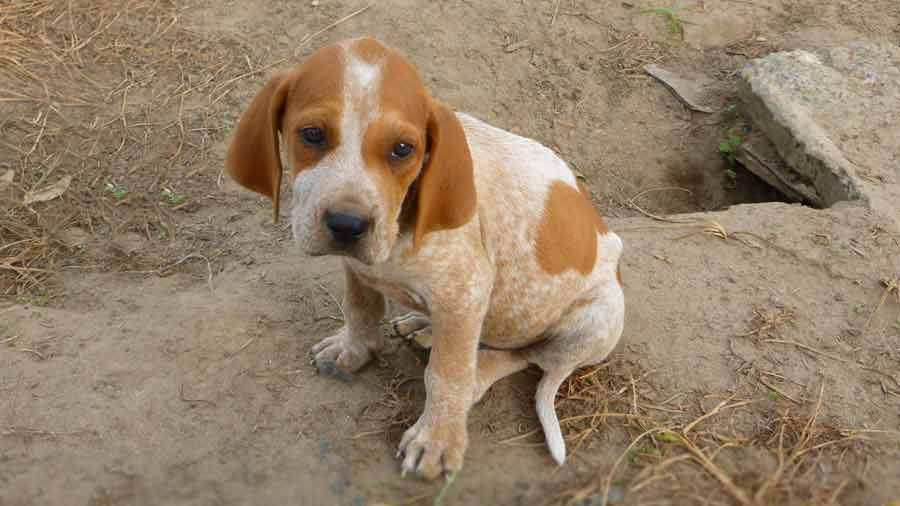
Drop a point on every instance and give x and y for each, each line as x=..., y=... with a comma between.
x=155, y=325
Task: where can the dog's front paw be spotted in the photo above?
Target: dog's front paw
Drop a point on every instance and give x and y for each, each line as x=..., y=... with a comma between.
x=339, y=355
x=430, y=448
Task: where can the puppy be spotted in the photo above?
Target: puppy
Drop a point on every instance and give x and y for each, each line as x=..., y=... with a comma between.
x=486, y=235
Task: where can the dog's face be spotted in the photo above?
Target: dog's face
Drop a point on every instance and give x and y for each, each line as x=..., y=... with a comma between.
x=372, y=155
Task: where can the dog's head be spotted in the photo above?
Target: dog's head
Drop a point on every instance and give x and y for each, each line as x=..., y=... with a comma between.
x=371, y=154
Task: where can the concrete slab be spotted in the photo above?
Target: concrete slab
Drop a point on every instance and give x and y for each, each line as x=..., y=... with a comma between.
x=834, y=116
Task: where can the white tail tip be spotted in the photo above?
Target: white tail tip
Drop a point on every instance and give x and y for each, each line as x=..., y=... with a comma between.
x=545, y=397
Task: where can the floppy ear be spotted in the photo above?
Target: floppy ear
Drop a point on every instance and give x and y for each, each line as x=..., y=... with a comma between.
x=253, y=158
x=446, y=185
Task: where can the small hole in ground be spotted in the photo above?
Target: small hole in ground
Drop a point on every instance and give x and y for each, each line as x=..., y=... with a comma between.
x=700, y=181
x=718, y=185
x=708, y=174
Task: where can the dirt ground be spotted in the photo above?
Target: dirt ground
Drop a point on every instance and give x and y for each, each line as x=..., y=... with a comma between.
x=155, y=324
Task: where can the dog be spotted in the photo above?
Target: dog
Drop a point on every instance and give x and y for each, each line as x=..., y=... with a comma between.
x=488, y=237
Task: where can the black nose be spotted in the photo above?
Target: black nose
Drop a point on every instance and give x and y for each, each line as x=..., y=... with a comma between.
x=346, y=227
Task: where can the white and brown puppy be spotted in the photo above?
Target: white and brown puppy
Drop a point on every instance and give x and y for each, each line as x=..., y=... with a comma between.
x=488, y=236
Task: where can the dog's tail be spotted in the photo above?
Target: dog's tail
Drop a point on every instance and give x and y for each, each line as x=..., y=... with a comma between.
x=546, y=394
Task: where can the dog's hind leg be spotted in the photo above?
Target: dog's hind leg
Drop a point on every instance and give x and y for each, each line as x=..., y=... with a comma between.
x=494, y=365
x=584, y=336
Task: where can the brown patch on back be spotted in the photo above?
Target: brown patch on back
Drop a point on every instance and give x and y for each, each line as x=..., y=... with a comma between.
x=601, y=225
x=567, y=234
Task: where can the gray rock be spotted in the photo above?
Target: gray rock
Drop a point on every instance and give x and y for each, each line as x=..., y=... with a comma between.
x=693, y=93
x=758, y=155
x=833, y=115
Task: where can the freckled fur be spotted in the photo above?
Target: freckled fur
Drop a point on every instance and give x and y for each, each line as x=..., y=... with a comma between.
x=457, y=236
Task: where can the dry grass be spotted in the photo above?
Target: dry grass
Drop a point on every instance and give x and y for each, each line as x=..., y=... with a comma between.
x=695, y=459
x=628, y=53
x=85, y=102
x=130, y=104
x=750, y=451
x=766, y=324
x=396, y=410
x=891, y=290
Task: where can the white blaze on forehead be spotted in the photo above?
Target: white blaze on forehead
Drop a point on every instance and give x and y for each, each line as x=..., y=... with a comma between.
x=364, y=73
x=362, y=83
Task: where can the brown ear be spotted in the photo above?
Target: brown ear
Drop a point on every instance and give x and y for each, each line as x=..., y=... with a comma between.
x=253, y=157
x=447, y=184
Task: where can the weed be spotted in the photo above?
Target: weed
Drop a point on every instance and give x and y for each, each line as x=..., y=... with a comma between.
x=158, y=230
x=174, y=198
x=728, y=148
x=41, y=300
x=116, y=192
x=645, y=450
x=773, y=397
x=674, y=24
x=665, y=437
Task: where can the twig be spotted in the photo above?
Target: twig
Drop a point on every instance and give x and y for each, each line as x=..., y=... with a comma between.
x=368, y=433
x=721, y=406
x=34, y=352
x=607, y=483
x=330, y=296
x=661, y=188
x=353, y=14
x=40, y=134
x=244, y=346
x=520, y=436
x=890, y=286
x=837, y=491
x=209, y=274
x=739, y=494
x=648, y=214
x=776, y=476
x=779, y=392
x=805, y=347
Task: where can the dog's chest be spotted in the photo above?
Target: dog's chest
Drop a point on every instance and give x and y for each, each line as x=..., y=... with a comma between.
x=392, y=288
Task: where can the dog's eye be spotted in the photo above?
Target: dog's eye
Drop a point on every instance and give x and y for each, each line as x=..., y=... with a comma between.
x=313, y=137
x=402, y=151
